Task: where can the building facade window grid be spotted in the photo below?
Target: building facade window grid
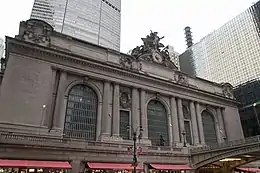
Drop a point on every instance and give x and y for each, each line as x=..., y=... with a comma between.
x=97, y=21
x=230, y=53
x=81, y=113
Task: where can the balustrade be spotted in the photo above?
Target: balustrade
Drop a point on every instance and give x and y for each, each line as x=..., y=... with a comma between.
x=47, y=141
x=42, y=140
x=226, y=145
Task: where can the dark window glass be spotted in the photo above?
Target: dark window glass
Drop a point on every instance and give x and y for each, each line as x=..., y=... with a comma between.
x=81, y=113
x=209, y=128
x=157, y=123
x=124, y=123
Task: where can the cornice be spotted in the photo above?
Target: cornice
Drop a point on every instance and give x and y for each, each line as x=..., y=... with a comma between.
x=93, y=150
x=38, y=51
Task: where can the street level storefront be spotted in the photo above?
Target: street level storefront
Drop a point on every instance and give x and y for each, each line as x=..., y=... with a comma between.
x=35, y=166
x=111, y=167
x=247, y=170
x=168, y=168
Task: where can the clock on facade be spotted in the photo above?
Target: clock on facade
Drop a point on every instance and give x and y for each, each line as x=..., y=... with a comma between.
x=157, y=57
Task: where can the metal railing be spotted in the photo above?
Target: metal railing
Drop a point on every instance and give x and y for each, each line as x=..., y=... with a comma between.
x=227, y=145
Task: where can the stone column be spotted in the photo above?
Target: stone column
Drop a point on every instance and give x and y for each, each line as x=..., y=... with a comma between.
x=174, y=122
x=52, y=98
x=106, y=126
x=143, y=115
x=194, y=124
x=223, y=113
x=218, y=134
x=99, y=120
x=146, y=168
x=170, y=135
x=135, y=109
x=77, y=166
x=181, y=118
x=59, y=115
x=200, y=125
x=221, y=124
x=116, y=113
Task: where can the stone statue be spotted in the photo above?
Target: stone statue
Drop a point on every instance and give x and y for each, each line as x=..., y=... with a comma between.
x=152, y=41
x=156, y=40
x=153, y=50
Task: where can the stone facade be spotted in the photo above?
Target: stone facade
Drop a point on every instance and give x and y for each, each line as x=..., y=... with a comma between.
x=42, y=68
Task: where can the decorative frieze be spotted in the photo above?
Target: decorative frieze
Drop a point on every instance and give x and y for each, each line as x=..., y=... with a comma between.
x=126, y=62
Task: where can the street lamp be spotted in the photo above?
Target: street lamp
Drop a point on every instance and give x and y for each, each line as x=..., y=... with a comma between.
x=135, y=136
x=184, y=138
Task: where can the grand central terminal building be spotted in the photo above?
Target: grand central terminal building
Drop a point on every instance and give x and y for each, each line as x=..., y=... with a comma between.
x=62, y=99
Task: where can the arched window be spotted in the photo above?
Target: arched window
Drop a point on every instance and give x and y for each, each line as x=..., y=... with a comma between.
x=209, y=128
x=157, y=123
x=81, y=113
x=187, y=123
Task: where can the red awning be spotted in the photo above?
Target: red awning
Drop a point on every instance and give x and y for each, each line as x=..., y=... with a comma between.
x=113, y=166
x=34, y=164
x=170, y=167
x=249, y=169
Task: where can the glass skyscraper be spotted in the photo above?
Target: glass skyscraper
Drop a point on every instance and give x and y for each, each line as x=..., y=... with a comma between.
x=95, y=21
x=228, y=54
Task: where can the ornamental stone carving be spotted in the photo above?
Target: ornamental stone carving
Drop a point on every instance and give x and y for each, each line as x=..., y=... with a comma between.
x=227, y=90
x=35, y=31
x=125, y=98
x=153, y=51
x=126, y=62
x=182, y=79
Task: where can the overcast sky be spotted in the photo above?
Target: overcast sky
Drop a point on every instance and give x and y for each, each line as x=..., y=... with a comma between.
x=167, y=17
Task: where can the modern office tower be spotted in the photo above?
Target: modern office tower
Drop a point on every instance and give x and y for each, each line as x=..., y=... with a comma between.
x=174, y=56
x=95, y=21
x=2, y=48
x=230, y=53
x=248, y=94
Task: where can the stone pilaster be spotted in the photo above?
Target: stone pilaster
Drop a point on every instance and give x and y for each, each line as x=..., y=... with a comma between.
x=77, y=166
x=144, y=120
x=135, y=109
x=174, y=121
x=60, y=108
x=51, y=100
x=181, y=118
x=218, y=134
x=170, y=130
x=99, y=120
x=106, y=126
x=221, y=124
x=116, y=113
x=200, y=125
x=143, y=115
x=194, y=124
